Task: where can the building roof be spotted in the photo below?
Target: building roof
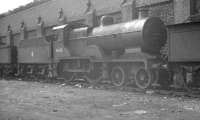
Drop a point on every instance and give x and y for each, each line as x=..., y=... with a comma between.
x=23, y=7
x=48, y=10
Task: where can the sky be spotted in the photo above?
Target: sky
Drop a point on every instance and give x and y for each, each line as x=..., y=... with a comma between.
x=7, y=5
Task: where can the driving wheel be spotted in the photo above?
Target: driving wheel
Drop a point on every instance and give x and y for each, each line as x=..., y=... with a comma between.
x=63, y=73
x=118, y=76
x=143, y=79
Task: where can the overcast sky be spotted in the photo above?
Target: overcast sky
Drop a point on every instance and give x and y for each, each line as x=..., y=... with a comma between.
x=11, y=4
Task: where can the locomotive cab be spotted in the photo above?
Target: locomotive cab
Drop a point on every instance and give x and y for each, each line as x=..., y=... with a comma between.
x=62, y=40
x=61, y=32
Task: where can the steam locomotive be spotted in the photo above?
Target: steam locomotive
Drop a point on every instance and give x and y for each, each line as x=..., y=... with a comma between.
x=130, y=52
x=118, y=52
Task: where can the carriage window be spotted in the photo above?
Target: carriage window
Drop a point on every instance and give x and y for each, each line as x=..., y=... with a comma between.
x=3, y=40
x=195, y=7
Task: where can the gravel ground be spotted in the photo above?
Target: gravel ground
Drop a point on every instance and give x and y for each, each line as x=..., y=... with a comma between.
x=41, y=101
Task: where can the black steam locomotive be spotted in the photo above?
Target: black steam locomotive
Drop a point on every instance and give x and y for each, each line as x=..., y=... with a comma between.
x=138, y=51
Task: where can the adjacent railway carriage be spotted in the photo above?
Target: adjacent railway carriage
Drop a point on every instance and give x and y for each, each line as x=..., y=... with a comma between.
x=183, y=54
x=34, y=56
x=8, y=61
x=8, y=55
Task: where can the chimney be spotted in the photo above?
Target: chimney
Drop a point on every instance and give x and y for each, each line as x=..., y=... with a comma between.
x=90, y=15
x=9, y=41
x=40, y=27
x=128, y=10
x=23, y=32
x=143, y=13
x=61, y=17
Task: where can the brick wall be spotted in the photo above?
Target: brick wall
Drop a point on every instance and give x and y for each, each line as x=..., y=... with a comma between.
x=164, y=11
x=182, y=10
x=168, y=10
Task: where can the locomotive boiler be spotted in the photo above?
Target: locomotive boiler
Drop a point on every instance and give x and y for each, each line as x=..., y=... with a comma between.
x=149, y=34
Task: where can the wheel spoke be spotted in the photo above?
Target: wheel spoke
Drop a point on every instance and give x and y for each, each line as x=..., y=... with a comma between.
x=118, y=76
x=143, y=79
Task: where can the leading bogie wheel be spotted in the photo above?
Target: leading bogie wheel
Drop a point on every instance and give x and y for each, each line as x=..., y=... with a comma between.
x=118, y=76
x=143, y=79
x=93, y=77
x=68, y=76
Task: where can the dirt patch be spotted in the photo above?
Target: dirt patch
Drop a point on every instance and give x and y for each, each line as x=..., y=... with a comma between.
x=39, y=101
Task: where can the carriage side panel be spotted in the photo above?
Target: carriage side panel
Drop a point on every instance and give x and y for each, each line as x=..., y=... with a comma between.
x=184, y=43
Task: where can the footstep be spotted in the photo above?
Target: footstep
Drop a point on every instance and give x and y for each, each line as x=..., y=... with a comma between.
x=140, y=112
x=120, y=105
x=188, y=108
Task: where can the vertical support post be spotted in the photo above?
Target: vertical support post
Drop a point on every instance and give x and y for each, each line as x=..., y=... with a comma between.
x=90, y=17
x=128, y=10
